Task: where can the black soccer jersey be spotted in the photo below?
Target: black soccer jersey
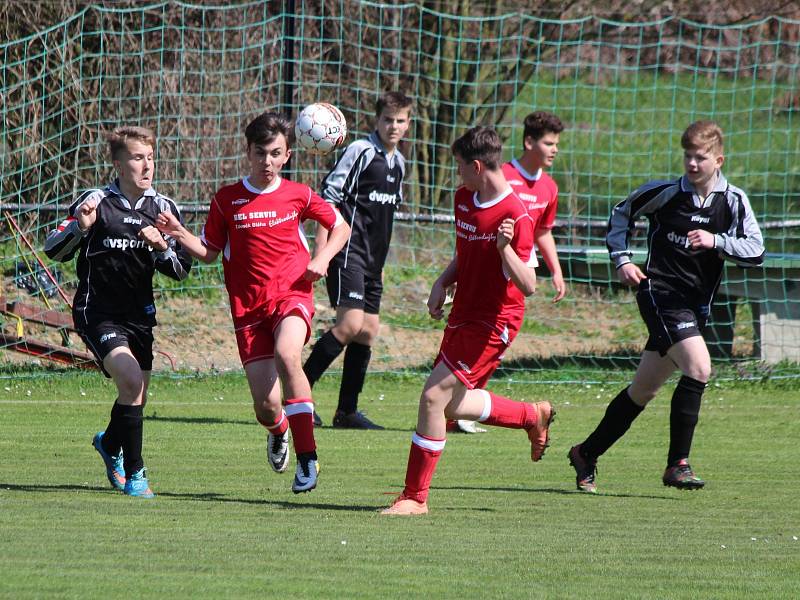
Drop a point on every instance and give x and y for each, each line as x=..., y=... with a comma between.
x=674, y=209
x=366, y=187
x=115, y=268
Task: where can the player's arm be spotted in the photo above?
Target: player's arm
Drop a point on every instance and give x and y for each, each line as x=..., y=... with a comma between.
x=547, y=246
x=170, y=257
x=336, y=239
x=320, y=239
x=520, y=273
x=743, y=243
x=64, y=240
x=644, y=200
x=439, y=289
x=168, y=224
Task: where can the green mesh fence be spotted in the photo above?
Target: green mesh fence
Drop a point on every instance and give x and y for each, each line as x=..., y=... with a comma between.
x=198, y=74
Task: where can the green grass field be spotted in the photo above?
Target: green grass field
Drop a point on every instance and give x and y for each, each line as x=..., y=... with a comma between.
x=224, y=525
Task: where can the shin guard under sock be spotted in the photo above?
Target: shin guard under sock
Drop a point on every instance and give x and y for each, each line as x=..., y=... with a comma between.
x=300, y=412
x=422, y=460
x=683, y=417
x=620, y=414
x=130, y=432
x=322, y=355
x=354, y=371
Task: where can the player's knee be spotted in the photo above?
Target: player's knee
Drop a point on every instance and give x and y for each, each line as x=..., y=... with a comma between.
x=699, y=371
x=130, y=388
x=641, y=395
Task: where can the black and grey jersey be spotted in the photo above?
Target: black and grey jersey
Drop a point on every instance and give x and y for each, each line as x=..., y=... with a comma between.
x=366, y=186
x=674, y=209
x=115, y=268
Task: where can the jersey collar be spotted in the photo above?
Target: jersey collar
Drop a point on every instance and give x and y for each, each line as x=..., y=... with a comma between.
x=267, y=190
x=113, y=188
x=524, y=173
x=490, y=203
x=720, y=186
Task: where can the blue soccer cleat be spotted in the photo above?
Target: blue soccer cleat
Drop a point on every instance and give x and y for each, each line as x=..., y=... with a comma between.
x=138, y=486
x=114, y=469
x=305, y=477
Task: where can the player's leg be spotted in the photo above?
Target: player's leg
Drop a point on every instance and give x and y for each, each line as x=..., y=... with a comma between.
x=692, y=357
x=427, y=442
x=291, y=334
x=653, y=370
x=489, y=408
x=265, y=389
x=346, y=294
x=354, y=372
x=130, y=380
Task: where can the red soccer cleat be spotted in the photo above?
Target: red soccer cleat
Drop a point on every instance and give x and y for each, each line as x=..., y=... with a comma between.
x=403, y=506
x=539, y=434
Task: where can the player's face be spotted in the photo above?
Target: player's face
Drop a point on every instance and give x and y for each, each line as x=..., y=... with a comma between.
x=267, y=160
x=135, y=166
x=468, y=171
x=701, y=165
x=544, y=150
x=392, y=126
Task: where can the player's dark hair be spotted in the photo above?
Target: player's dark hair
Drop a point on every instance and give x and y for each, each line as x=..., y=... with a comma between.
x=394, y=101
x=266, y=127
x=480, y=143
x=118, y=139
x=539, y=123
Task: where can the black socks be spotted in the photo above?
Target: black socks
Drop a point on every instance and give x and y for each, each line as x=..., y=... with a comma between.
x=618, y=418
x=323, y=354
x=683, y=417
x=130, y=433
x=354, y=371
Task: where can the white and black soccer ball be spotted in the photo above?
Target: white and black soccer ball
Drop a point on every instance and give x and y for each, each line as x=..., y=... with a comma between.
x=320, y=128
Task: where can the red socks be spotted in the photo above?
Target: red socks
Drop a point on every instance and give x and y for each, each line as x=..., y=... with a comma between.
x=300, y=412
x=422, y=460
x=504, y=412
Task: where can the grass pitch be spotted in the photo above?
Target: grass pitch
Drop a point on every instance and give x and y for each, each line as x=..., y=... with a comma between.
x=224, y=525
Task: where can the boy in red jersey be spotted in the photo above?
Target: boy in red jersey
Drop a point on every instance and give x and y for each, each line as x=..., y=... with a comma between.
x=494, y=240
x=256, y=224
x=539, y=194
x=536, y=188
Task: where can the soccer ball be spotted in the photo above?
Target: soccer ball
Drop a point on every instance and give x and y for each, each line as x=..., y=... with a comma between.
x=320, y=127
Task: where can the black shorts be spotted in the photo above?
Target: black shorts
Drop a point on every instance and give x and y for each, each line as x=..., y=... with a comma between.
x=669, y=320
x=101, y=337
x=353, y=288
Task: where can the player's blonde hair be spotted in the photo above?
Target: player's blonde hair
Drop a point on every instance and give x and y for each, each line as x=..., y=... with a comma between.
x=703, y=134
x=119, y=137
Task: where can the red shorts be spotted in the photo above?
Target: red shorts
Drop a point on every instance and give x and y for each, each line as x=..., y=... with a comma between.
x=473, y=350
x=257, y=340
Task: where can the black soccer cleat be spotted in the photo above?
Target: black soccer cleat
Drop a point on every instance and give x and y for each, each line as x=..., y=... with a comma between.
x=681, y=476
x=354, y=420
x=585, y=470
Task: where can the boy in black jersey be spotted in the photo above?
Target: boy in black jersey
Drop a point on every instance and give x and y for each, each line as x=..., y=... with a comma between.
x=119, y=249
x=366, y=186
x=696, y=222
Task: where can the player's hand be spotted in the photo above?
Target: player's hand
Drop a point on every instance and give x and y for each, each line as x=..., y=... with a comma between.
x=168, y=224
x=559, y=286
x=153, y=238
x=316, y=270
x=436, y=300
x=505, y=233
x=700, y=238
x=86, y=214
x=630, y=274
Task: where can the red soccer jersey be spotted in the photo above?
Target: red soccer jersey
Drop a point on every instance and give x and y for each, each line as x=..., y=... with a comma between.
x=485, y=292
x=538, y=192
x=264, y=249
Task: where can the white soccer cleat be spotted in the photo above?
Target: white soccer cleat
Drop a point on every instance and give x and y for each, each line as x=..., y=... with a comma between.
x=278, y=451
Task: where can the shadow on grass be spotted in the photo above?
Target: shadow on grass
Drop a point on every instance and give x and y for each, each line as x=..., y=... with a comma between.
x=198, y=420
x=218, y=421
x=204, y=497
x=556, y=491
